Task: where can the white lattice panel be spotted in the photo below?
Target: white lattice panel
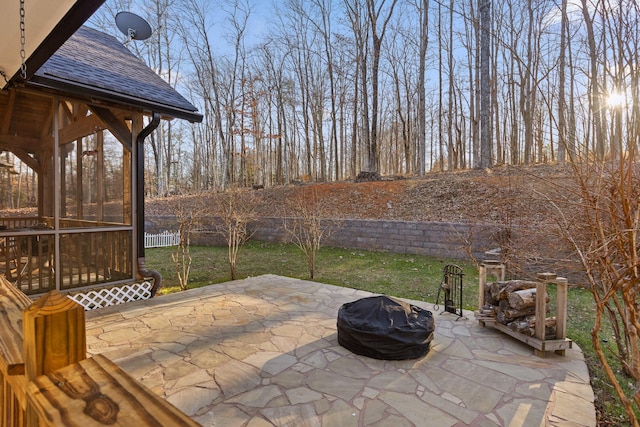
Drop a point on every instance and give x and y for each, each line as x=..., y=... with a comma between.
x=105, y=297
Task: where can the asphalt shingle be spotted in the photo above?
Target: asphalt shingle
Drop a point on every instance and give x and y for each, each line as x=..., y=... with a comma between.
x=97, y=62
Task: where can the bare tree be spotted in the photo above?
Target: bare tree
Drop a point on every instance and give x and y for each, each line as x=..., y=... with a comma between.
x=309, y=221
x=277, y=87
x=595, y=96
x=486, y=143
x=374, y=12
x=299, y=43
x=325, y=29
x=348, y=87
x=199, y=46
x=361, y=117
x=187, y=217
x=423, y=14
x=600, y=218
x=440, y=91
x=563, y=145
x=236, y=210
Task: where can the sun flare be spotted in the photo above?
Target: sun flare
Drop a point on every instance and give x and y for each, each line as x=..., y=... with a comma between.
x=615, y=99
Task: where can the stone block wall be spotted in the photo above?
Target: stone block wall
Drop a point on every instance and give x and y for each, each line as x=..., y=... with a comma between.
x=533, y=250
x=439, y=239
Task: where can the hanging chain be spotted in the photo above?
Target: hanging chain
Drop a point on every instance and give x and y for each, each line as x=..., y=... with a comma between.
x=23, y=55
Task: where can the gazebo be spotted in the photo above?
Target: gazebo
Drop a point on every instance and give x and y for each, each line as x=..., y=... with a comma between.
x=79, y=121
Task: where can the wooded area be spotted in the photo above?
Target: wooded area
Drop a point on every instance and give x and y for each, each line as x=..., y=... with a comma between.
x=320, y=90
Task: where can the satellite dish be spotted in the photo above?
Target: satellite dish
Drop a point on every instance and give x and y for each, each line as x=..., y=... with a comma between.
x=133, y=26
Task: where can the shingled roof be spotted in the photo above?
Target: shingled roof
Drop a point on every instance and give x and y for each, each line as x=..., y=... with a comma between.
x=95, y=65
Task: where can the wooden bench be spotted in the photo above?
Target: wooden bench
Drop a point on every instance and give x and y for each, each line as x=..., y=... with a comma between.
x=98, y=393
x=12, y=380
x=46, y=379
x=12, y=303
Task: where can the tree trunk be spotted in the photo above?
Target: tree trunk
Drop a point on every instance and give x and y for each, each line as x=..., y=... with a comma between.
x=486, y=148
x=423, y=13
x=594, y=83
x=374, y=10
x=562, y=123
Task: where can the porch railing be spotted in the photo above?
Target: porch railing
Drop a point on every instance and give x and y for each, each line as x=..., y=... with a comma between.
x=95, y=257
x=46, y=379
x=87, y=257
x=18, y=222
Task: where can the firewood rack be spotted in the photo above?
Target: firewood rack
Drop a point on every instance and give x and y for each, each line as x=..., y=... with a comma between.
x=451, y=288
x=540, y=344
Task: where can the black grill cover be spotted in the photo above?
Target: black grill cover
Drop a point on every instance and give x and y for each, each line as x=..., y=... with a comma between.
x=385, y=328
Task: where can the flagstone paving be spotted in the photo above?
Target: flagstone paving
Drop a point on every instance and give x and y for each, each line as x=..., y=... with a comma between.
x=263, y=351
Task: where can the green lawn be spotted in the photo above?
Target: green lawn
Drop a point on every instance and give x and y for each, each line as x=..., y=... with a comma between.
x=415, y=277
x=402, y=275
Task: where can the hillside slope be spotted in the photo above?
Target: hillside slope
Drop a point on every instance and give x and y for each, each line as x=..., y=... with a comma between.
x=513, y=195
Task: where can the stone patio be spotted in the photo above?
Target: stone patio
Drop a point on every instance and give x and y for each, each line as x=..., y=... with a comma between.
x=263, y=351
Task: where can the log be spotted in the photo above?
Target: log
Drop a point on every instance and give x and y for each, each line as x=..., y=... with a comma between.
x=501, y=318
x=527, y=326
x=488, y=298
x=500, y=290
x=521, y=326
x=495, y=288
x=524, y=298
x=513, y=313
x=488, y=308
x=548, y=322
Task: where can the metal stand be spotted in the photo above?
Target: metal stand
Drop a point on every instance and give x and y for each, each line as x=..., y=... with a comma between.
x=452, y=286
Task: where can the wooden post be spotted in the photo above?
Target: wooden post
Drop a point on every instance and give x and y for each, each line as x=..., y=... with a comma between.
x=541, y=315
x=541, y=309
x=482, y=282
x=54, y=334
x=54, y=337
x=561, y=309
x=488, y=267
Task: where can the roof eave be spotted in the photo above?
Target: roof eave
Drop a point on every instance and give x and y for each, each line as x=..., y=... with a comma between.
x=73, y=19
x=95, y=95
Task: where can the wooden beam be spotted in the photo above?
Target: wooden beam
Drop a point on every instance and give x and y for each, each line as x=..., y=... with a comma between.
x=66, y=110
x=116, y=126
x=80, y=128
x=34, y=164
x=47, y=125
x=19, y=141
x=80, y=110
x=8, y=113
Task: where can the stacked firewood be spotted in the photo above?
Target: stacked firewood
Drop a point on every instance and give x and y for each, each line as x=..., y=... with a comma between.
x=513, y=303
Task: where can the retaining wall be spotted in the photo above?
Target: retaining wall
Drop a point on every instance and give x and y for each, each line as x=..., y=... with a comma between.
x=439, y=239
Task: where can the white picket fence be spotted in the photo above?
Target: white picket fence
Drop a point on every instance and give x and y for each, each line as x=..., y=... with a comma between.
x=161, y=240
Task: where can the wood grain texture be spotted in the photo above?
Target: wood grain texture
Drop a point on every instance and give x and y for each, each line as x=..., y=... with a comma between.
x=12, y=304
x=96, y=392
x=54, y=334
